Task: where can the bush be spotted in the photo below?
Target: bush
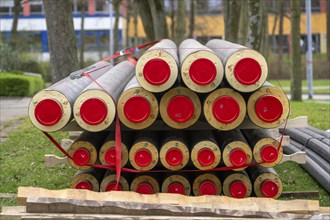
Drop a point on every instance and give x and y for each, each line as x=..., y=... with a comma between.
x=9, y=59
x=19, y=85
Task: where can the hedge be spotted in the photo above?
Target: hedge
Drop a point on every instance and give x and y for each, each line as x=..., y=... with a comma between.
x=19, y=85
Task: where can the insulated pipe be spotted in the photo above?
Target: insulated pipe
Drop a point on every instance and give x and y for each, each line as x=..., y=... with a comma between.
x=224, y=109
x=85, y=149
x=206, y=184
x=95, y=108
x=268, y=107
x=176, y=183
x=51, y=108
x=201, y=69
x=143, y=154
x=174, y=152
x=236, y=184
x=109, y=182
x=137, y=108
x=234, y=149
x=157, y=68
x=145, y=184
x=317, y=146
x=266, y=182
x=180, y=108
x=245, y=69
x=315, y=135
x=88, y=179
x=205, y=152
x=107, y=153
x=266, y=150
x=312, y=155
x=316, y=171
x=318, y=131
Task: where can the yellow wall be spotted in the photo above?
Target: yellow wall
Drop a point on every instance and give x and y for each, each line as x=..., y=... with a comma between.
x=209, y=25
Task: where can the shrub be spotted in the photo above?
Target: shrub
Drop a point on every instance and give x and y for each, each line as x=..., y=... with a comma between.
x=19, y=85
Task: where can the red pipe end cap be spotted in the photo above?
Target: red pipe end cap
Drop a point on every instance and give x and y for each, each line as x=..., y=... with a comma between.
x=84, y=184
x=237, y=157
x=180, y=109
x=238, y=189
x=48, y=112
x=247, y=71
x=269, y=108
x=207, y=188
x=205, y=157
x=93, y=111
x=112, y=187
x=202, y=72
x=269, y=189
x=156, y=71
x=81, y=157
x=110, y=156
x=174, y=156
x=268, y=153
x=137, y=109
x=145, y=188
x=177, y=188
x=143, y=157
x=226, y=109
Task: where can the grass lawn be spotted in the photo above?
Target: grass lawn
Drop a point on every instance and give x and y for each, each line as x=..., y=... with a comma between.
x=22, y=159
x=320, y=86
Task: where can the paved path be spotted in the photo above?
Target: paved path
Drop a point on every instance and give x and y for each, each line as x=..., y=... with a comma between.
x=12, y=108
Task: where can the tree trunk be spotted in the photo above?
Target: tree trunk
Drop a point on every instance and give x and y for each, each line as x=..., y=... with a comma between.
x=281, y=12
x=82, y=33
x=159, y=18
x=135, y=23
x=180, y=28
x=328, y=32
x=254, y=37
x=153, y=17
x=172, y=19
x=192, y=18
x=264, y=22
x=61, y=38
x=243, y=23
x=232, y=18
x=128, y=20
x=13, y=32
x=295, y=48
x=116, y=6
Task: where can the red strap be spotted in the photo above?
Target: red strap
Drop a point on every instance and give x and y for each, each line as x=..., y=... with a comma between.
x=118, y=151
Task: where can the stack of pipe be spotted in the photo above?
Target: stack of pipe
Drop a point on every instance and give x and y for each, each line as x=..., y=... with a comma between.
x=316, y=144
x=220, y=84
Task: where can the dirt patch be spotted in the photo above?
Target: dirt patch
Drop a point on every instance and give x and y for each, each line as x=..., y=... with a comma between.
x=9, y=127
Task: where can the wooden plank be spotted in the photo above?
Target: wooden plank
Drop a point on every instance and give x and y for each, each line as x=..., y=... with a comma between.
x=51, y=160
x=19, y=212
x=300, y=194
x=7, y=195
x=66, y=143
x=298, y=157
x=218, y=202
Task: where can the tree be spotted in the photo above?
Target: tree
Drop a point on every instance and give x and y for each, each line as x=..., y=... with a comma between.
x=243, y=23
x=82, y=33
x=116, y=6
x=295, y=49
x=264, y=32
x=61, y=38
x=152, y=13
x=192, y=18
x=254, y=36
x=13, y=32
x=232, y=17
x=180, y=28
x=172, y=4
x=281, y=12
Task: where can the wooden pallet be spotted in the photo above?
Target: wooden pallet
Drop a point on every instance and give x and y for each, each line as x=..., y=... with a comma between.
x=82, y=204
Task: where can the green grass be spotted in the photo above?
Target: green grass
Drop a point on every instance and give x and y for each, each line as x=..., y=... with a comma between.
x=316, y=83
